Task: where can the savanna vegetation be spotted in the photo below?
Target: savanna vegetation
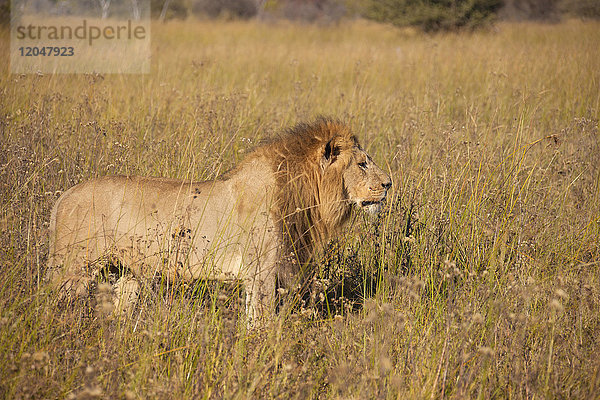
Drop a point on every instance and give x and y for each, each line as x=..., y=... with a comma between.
x=480, y=278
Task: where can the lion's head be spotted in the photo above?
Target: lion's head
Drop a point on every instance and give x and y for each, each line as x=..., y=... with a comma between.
x=321, y=171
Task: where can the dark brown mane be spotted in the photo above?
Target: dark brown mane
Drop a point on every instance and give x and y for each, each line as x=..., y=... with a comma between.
x=312, y=205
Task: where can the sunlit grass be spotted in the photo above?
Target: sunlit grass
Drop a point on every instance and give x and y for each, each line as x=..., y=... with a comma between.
x=481, y=275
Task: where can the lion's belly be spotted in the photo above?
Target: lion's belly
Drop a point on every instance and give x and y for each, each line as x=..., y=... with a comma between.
x=228, y=268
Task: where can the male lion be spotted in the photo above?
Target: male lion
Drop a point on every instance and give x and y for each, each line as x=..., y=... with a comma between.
x=259, y=224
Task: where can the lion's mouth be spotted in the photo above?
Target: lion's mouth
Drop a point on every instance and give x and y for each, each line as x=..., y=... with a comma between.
x=372, y=206
x=370, y=203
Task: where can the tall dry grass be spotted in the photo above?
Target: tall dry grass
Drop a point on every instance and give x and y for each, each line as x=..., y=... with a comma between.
x=479, y=280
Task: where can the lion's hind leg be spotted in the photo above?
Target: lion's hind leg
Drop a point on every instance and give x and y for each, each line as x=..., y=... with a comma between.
x=71, y=275
x=126, y=292
x=74, y=286
x=67, y=274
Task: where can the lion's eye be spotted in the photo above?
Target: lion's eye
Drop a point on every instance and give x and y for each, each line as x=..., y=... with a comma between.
x=363, y=165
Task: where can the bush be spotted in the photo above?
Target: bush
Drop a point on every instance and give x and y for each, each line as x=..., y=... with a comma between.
x=433, y=15
x=582, y=8
x=168, y=9
x=4, y=12
x=310, y=11
x=549, y=10
x=313, y=11
x=540, y=10
x=225, y=8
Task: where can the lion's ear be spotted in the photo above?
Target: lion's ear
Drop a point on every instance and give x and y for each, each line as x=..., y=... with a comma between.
x=330, y=153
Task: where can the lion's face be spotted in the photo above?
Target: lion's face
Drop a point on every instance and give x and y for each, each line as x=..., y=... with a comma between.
x=365, y=183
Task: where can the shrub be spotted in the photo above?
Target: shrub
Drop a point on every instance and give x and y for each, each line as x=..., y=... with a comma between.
x=582, y=8
x=4, y=12
x=541, y=10
x=225, y=8
x=312, y=11
x=433, y=15
x=168, y=9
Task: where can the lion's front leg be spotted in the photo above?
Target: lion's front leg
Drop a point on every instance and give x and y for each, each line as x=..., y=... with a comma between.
x=260, y=296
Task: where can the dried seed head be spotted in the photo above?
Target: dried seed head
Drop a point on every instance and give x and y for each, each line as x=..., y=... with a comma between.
x=562, y=294
x=371, y=317
x=409, y=239
x=385, y=364
x=40, y=356
x=222, y=297
x=530, y=281
x=288, y=367
x=418, y=284
x=104, y=288
x=129, y=395
x=89, y=393
x=449, y=264
x=387, y=309
x=39, y=360
x=105, y=308
x=486, y=351
x=477, y=319
x=556, y=305
x=396, y=381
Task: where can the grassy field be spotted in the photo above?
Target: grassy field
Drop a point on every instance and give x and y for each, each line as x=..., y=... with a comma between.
x=481, y=278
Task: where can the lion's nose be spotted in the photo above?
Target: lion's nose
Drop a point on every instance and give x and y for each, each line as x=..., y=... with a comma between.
x=387, y=185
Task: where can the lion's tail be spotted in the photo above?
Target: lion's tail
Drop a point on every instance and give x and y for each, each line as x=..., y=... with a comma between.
x=54, y=260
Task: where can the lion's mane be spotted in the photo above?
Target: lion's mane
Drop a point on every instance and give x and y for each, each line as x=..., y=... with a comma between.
x=311, y=202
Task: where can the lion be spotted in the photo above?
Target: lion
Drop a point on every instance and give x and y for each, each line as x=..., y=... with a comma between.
x=260, y=224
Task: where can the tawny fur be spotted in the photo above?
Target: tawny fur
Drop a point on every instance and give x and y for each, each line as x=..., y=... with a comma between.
x=259, y=224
